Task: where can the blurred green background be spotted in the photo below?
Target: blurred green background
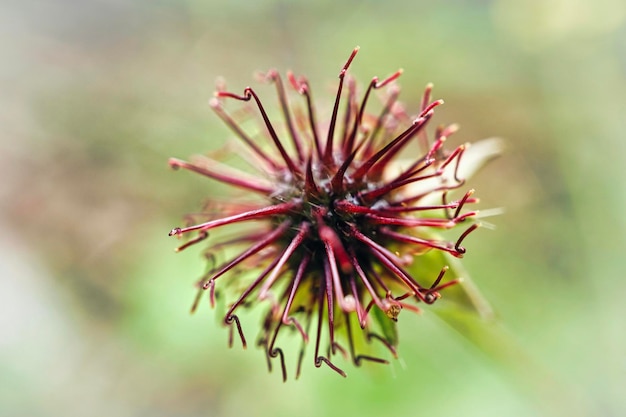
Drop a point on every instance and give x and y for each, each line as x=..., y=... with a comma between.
x=94, y=307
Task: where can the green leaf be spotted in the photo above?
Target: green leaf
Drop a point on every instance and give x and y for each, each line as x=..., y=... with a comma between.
x=387, y=326
x=464, y=295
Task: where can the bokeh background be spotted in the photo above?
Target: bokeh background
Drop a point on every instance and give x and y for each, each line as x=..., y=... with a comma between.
x=94, y=304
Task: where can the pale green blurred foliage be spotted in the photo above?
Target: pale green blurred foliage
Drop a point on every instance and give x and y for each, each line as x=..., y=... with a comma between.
x=96, y=95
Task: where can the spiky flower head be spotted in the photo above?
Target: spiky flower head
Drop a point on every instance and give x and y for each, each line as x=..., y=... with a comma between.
x=338, y=216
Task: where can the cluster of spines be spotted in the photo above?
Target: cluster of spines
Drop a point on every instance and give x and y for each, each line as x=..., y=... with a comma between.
x=348, y=175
